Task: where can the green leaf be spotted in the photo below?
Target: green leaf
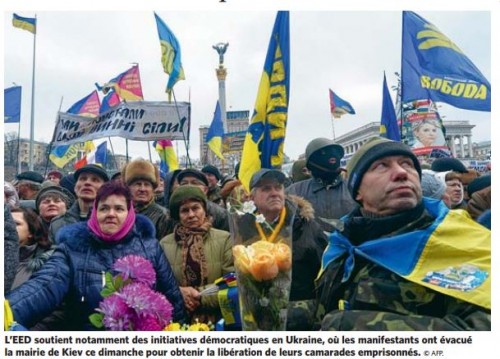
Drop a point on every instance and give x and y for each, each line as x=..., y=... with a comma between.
x=118, y=283
x=96, y=320
x=106, y=292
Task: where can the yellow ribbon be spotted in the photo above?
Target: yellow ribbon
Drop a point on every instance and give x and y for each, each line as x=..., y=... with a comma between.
x=276, y=231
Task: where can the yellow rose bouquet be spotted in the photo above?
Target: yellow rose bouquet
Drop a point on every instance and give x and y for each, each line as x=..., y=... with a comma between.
x=263, y=259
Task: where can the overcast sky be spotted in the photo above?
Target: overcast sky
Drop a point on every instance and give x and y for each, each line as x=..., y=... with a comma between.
x=345, y=51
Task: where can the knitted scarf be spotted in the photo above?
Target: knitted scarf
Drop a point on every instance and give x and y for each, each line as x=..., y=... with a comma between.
x=194, y=261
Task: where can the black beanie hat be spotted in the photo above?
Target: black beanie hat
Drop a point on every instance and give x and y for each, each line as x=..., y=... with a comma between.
x=448, y=164
x=478, y=184
x=183, y=193
x=372, y=150
x=213, y=170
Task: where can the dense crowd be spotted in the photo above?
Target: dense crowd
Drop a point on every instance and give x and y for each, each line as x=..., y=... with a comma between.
x=355, y=231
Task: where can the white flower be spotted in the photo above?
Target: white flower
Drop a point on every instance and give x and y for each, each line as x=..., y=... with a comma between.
x=249, y=207
x=260, y=218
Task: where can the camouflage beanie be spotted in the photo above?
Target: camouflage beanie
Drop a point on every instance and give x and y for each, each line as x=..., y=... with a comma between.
x=372, y=150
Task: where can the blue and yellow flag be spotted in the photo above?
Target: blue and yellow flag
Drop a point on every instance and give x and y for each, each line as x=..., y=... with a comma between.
x=388, y=123
x=12, y=104
x=452, y=256
x=433, y=67
x=265, y=138
x=339, y=107
x=25, y=23
x=170, y=55
x=216, y=133
x=88, y=106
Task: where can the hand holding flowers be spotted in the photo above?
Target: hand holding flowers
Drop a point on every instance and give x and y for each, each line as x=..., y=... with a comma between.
x=129, y=301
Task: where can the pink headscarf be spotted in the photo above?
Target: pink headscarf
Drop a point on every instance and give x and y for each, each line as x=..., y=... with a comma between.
x=127, y=226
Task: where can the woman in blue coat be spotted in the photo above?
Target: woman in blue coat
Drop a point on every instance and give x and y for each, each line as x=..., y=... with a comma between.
x=75, y=273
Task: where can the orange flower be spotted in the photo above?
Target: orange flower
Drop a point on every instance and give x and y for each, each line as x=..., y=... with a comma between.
x=242, y=260
x=263, y=266
x=262, y=245
x=283, y=256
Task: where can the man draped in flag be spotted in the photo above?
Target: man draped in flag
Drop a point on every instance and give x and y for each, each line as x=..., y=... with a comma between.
x=388, y=123
x=216, y=133
x=433, y=67
x=412, y=263
x=338, y=106
x=170, y=55
x=87, y=106
x=127, y=85
x=265, y=138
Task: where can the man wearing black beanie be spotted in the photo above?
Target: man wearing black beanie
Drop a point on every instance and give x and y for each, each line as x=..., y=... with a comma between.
x=326, y=190
x=402, y=261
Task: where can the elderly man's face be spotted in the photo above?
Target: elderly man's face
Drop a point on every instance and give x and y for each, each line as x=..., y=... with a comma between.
x=390, y=185
x=455, y=190
x=142, y=192
x=269, y=198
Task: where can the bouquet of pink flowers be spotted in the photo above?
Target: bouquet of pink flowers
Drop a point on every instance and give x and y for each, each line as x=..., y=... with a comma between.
x=129, y=301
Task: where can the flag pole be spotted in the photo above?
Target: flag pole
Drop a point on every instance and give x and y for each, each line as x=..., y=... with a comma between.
x=333, y=126
x=186, y=144
x=149, y=150
x=18, y=164
x=32, y=123
x=113, y=152
x=54, y=135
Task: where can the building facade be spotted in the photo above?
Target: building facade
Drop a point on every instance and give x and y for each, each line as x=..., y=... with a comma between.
x=458, y=139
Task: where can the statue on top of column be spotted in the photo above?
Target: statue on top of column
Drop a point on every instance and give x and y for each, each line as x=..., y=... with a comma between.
x=221, y=49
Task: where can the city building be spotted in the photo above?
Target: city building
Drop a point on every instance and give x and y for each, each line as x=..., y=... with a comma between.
x=458, y=138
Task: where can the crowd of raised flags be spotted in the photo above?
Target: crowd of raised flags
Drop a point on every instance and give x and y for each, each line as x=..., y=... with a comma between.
x=433, y=68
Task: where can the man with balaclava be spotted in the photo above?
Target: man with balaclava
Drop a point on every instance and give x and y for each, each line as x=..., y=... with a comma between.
x=326, y=190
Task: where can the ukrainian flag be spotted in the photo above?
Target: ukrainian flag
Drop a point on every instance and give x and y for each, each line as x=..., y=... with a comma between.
x=452, y=256
x=265, y=138
x=25, y=23
x=216, y=133
x=170, y=54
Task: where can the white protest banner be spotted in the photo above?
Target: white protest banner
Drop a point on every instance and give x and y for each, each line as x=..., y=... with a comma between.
x=139, y=120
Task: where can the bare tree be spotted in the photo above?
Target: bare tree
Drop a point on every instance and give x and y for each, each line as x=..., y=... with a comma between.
x=10, y=148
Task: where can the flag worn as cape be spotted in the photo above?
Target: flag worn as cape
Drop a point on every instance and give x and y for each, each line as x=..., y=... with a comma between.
x=170, y=54
x=265, y=138
x=388, y=123
x=452, y=256
x=434, y=67
x=12, y=104
x=216, y=133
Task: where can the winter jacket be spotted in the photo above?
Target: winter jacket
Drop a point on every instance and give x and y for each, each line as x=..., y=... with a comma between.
x=363, y=288
x=10, y=250
x=75, y=274
x=158, y=215
x=330, y=202
x=218, y=249
x=479, y=202
x=71, y=216
x=31, y=259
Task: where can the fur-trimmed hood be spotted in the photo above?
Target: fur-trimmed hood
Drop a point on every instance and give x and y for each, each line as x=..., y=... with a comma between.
x=304, y=207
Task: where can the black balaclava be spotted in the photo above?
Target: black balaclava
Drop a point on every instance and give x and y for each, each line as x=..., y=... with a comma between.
x=324, y=163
